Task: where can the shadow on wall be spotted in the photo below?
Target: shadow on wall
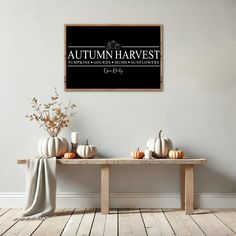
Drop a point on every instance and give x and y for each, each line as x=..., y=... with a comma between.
x=210, y=180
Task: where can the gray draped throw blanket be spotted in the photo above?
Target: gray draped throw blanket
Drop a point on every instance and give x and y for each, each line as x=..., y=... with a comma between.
x=41, y=187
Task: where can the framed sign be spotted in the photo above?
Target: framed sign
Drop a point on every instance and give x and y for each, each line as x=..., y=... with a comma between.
x=113, y=57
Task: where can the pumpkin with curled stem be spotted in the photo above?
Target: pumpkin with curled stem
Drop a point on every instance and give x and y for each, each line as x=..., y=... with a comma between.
x=137, y=154
x=160, y=146
x=176, y=154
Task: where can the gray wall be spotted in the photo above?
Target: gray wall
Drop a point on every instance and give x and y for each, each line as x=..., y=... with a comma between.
x=196, y=109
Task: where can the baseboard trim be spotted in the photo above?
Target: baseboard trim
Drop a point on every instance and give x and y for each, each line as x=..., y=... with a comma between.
x=127, y=200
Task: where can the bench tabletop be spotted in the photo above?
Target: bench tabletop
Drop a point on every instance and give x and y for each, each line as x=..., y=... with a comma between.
x=127, y=161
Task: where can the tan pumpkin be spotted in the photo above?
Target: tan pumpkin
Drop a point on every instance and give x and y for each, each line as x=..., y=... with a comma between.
x=176, y=154
x=69, y=155
x=137, y=154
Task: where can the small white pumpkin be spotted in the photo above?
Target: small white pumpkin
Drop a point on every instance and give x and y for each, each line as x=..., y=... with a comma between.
x=159, y=146
x=53, y=146
x=148, y=154
x=86, y=151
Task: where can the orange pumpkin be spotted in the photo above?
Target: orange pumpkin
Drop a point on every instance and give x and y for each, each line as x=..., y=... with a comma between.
x=69, y=155
x=176, y=154
x=137, y=154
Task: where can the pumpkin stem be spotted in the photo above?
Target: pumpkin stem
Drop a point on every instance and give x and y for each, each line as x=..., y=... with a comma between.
x=160, y=133
x=87, y=142
x=138, y=149
x=176, y=149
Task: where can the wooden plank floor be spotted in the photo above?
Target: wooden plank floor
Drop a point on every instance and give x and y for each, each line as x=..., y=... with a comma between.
x=123, y=222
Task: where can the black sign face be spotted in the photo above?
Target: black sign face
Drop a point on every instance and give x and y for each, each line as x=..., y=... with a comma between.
x=113, y=57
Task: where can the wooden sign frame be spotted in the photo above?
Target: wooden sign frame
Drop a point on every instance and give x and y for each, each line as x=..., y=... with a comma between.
x=72, y=83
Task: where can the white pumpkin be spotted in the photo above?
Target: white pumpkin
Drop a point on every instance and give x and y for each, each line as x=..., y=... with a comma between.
x=147, y=154
x=159, y=146
x=86, y=151
x=53, y=146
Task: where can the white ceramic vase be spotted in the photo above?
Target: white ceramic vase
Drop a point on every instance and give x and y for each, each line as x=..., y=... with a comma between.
x=53, y=146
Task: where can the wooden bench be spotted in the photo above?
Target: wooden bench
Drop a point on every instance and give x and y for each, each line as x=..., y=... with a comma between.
x=186, y=175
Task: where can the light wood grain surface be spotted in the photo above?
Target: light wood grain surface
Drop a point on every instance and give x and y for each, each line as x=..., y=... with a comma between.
x=156, y=223
x=211, y=224
x=105, y=200
x=138, y=222
x=131, y=223
x=126, y=161
x=189, y=189
x=182, y=224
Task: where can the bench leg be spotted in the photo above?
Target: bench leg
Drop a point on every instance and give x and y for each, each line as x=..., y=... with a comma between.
x=189, y=189
x=182, y=186
x=105, y=189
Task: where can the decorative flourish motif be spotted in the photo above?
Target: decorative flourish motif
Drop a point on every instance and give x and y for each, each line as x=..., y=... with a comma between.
x=113, y=45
